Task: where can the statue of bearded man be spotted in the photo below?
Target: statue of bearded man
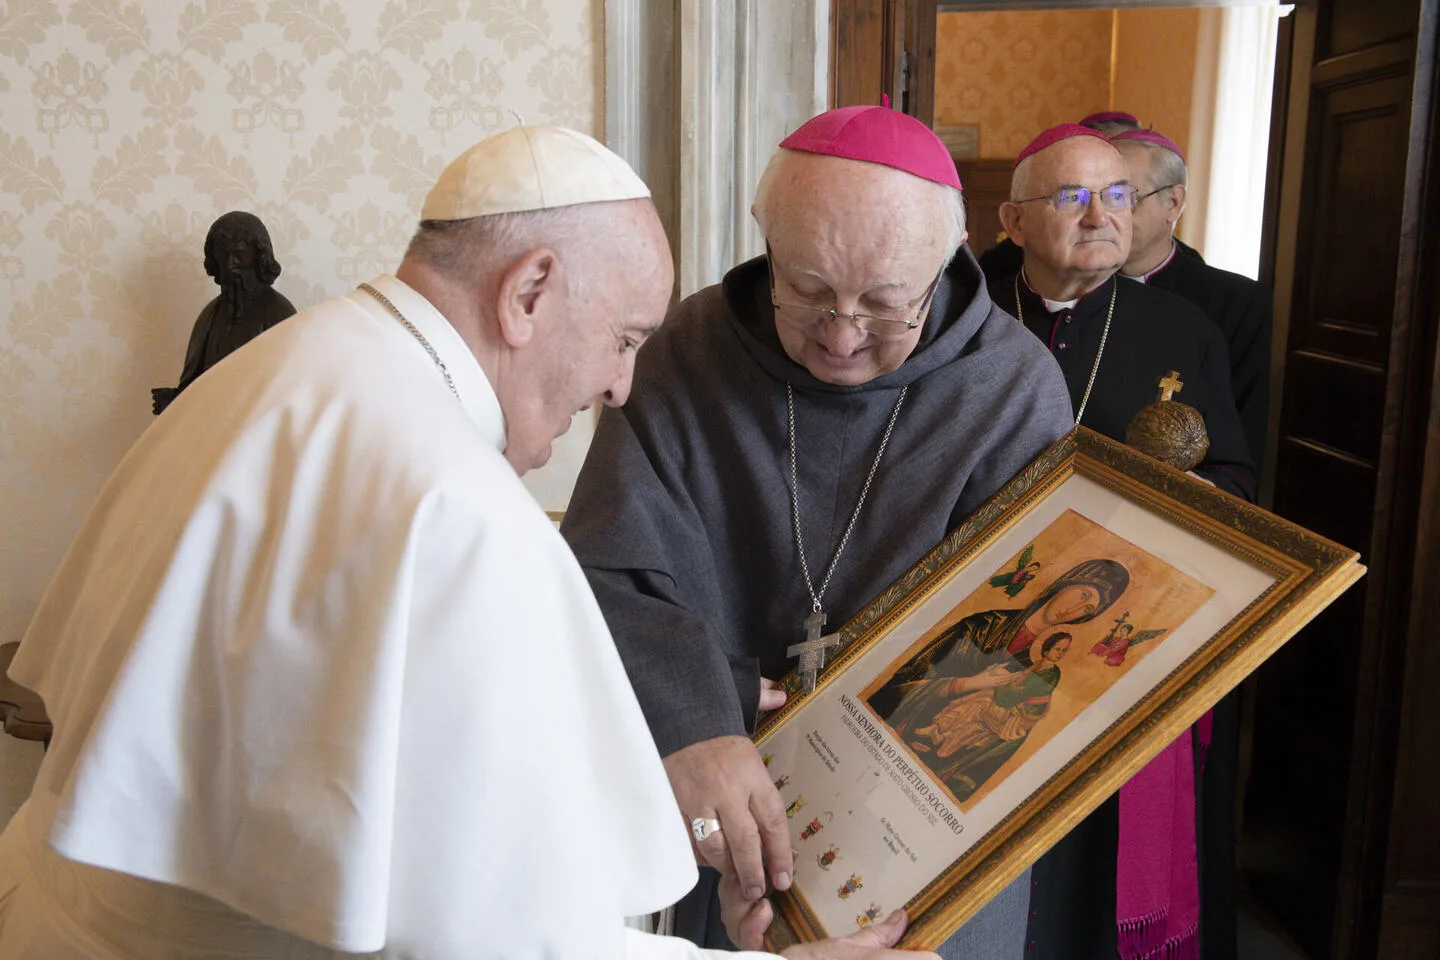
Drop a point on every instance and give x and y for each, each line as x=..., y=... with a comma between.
x=239, y=257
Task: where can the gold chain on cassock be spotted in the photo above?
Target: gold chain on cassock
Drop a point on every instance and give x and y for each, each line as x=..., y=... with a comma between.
x=1104, y=335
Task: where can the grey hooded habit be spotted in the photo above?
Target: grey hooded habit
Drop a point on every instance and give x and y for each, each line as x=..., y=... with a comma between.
x=681, y=517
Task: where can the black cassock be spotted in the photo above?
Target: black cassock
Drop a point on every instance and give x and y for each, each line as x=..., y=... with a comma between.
x=1151, y=334
x=1237, y=305
x=1072, y=900
x=1241, y=308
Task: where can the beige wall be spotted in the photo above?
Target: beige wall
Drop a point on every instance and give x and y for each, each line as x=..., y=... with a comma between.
x=1155, y=68
x=1016, y=74
x=127, y=128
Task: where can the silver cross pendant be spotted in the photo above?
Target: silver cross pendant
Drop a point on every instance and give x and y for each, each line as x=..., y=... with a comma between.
x=812, y=651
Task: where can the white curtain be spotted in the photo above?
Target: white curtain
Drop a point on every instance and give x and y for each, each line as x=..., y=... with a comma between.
x=1230, y=134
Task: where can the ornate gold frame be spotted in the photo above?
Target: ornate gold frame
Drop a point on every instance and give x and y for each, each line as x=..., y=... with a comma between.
x=1310, y=572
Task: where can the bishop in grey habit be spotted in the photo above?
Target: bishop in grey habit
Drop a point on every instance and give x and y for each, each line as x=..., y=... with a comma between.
x=862, y=367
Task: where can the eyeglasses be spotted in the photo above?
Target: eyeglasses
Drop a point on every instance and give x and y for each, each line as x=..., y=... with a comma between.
x=1153, y=192
x=1115, y=197
x=895, y=324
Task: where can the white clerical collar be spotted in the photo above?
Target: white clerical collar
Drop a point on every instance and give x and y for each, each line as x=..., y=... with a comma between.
x=1051, y=306
x=477, y=396
x=1145, y=277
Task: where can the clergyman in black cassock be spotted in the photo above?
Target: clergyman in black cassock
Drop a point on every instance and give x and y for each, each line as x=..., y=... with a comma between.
x=1071, y=213
x=1239, y=306
x=1151, y=333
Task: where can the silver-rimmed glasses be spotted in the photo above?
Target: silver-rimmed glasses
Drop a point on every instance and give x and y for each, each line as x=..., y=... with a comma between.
x=904, y=319
x=1072, y=199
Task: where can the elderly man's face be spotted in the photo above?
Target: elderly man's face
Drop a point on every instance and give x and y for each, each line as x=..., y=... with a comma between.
x=857, y=238
x=1092, y=242
x=1159, y=207
x=585, y=347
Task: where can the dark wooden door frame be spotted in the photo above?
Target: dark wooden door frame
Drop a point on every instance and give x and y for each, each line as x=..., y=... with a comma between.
x=1378, y=911
x=884, y=47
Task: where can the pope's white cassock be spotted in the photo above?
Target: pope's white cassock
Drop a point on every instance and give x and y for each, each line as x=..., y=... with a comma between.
x=326, y=681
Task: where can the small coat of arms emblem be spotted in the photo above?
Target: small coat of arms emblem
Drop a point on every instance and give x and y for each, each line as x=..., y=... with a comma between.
x=780, y=783
x=871, y=914
x=828, y=857
x=766, y=758
x=850, y=886
x=795, y=806
x=812, y=828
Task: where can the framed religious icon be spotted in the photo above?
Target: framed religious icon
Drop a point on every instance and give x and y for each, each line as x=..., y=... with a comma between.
x=1088, y=614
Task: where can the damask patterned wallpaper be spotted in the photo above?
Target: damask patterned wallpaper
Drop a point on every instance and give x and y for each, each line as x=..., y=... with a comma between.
x=128, y=126
x=1018, y=73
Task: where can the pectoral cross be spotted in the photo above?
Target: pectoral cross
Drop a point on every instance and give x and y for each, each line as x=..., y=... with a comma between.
x=812, y=651
x=1169, y=386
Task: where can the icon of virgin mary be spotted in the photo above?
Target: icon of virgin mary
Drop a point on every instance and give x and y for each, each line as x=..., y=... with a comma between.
x=989, y=638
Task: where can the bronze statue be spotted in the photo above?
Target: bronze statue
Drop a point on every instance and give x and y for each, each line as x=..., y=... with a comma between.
x=1168, y=430
x=239, y=257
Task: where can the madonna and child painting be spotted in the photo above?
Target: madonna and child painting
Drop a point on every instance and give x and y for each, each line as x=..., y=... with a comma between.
x=1020, y=657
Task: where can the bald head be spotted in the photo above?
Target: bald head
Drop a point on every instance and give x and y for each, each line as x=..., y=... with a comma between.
x=858, y=238
x=1068, y=253
x=799, y=191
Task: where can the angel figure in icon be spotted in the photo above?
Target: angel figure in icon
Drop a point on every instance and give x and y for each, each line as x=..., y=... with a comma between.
x=1015, y=580
x=1120, y=639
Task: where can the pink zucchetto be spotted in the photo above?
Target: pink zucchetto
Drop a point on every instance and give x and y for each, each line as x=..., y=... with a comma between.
x=1150, y=137
x=1054, y=135
x=877, y=135
x=1109, y=116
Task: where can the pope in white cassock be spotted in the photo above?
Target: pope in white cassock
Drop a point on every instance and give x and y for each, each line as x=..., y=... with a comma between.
x=325, y=680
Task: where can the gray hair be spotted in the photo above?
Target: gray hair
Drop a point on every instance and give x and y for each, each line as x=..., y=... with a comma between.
x=954, y=203
x=1168, y=167
x=456, y=249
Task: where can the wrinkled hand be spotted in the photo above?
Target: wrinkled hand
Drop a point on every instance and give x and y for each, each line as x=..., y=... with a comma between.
x=771, y=696
x=747, y=920
x=725, y=779
x=872, y=943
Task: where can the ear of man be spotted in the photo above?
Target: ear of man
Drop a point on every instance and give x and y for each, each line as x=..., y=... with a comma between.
x=527, y=287
x=1010, y=220
x=1175, y=202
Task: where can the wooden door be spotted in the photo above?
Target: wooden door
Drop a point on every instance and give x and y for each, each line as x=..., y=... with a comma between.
x=884, y=47
x=1341, y=837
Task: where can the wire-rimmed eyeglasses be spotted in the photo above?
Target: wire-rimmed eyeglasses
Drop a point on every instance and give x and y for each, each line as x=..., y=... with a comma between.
x=1115, y=197
x=896, y=325
x=1152, y=193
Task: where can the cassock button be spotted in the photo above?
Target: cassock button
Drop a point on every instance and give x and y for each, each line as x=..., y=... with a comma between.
x=1068, y=318
x=1064, y=346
